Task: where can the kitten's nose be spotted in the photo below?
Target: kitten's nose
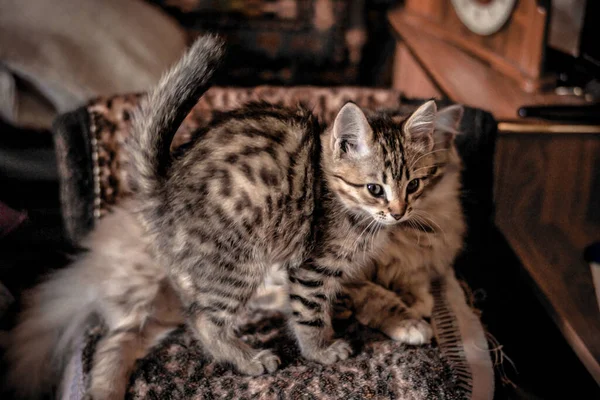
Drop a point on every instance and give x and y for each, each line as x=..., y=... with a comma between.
x=397, y=209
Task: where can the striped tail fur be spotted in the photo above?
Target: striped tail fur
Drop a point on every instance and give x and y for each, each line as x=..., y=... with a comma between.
x=165, y=108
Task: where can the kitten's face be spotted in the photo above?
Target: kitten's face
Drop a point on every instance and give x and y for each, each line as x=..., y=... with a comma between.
x=384, y=168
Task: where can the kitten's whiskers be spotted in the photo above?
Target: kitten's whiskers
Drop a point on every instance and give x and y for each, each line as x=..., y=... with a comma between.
x=371, y=239
x=357, y=241
x=427, y=166
x=425, y=155
x=349, y=237
x=422, y=227
x=412, y=224
x=428, y=218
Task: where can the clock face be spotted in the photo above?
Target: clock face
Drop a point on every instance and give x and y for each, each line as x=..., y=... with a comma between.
x=484, y=17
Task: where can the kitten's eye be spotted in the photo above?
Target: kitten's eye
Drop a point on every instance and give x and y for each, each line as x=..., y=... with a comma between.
x=375, y=189
x=412, y=186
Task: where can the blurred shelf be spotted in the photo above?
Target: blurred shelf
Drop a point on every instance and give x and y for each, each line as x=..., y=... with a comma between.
x=458, y=75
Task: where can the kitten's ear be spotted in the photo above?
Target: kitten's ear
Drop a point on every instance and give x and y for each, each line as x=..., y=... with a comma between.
x=351, y=132
x=447, y=124
x=420, y=125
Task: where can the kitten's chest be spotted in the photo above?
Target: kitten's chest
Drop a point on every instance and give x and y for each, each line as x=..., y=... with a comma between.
x=354, y=243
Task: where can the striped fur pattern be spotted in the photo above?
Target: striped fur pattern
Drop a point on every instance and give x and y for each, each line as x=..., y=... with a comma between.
x=265, y=185
x=394, y=294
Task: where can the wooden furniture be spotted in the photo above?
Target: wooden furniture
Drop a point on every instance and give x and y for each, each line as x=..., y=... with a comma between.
x=547, y=196
x=508, y=35
x=547, y=188
x=426, y=66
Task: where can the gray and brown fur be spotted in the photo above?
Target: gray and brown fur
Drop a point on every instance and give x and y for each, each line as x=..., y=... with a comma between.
x=117, y=281
x=259, y=186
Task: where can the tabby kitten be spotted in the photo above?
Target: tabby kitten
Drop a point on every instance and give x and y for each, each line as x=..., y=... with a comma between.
x=422, y=247
x=265, y=185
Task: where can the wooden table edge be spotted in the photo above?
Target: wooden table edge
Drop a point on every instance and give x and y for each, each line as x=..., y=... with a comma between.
x=538, y=127
x=569, y=333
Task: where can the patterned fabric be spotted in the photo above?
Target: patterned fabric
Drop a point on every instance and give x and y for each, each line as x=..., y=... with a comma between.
x=178, y=369
x=456, y=365
x=282, y=41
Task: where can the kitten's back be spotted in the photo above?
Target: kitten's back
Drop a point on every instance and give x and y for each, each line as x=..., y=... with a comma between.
x=252, y=170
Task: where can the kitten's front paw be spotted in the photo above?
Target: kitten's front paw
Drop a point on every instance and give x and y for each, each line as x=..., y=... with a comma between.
x=337, y=351
x=265, y=361
x=410, y=331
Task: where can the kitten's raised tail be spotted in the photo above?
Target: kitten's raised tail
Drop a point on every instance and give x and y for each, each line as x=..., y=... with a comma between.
x=53, y=322
x=165, y=108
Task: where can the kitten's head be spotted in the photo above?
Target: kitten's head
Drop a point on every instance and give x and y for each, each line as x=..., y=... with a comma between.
x=386, y=167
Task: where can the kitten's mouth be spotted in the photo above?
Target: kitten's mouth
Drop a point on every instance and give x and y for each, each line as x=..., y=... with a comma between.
x=383, y=223
x=420, y=226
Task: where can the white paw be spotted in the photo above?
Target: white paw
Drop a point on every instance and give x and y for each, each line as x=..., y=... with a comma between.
x=410, y=331
x=337, y=351
x=265, y=361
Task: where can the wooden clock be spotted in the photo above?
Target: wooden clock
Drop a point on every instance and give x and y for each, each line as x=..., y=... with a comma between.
x=510, y=35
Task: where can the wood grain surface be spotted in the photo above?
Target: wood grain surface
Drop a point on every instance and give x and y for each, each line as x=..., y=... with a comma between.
x=545, y=190
x=464, y=78
x=516, y=50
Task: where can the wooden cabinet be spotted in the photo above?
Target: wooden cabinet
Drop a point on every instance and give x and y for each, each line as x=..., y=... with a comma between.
x=547, y=194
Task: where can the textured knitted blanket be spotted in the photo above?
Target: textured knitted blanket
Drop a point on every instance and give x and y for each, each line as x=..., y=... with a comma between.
x=456, y=365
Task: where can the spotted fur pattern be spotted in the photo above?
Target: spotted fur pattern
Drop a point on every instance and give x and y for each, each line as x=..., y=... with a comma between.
x=265, y=185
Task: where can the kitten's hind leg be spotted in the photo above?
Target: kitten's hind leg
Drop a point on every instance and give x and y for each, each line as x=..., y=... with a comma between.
x=218, y=299
x=384, y=310
x=115, y=358
x=311, y=292
x=216, y=334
